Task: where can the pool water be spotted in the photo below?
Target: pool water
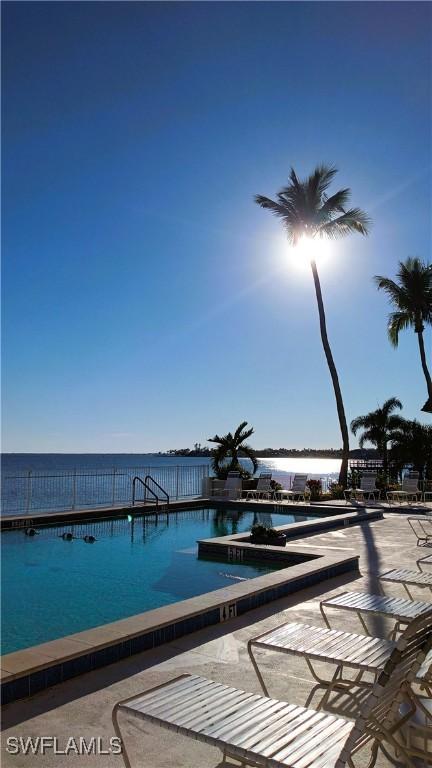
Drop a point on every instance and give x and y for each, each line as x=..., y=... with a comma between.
x=54, y=587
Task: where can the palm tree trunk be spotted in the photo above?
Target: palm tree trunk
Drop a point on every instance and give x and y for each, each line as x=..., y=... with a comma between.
x=425, y=370
x=343, y=475
x=385, y=461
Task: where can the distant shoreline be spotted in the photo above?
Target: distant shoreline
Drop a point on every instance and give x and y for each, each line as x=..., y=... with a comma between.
x=268, y=453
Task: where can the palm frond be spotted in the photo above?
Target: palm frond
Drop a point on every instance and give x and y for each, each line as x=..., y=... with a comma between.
x=397, y=322
x=271, y=205
x=239, y=430
x=358, y=423
x=394, y=291
x=354, y=220
x=215, y=439
x=391, y=405
x=395, y=423
x=336, y=202
x=321, y=178
x=219, y=457
x=251, y=455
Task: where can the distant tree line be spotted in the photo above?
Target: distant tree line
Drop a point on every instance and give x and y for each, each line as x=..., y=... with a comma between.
x=299, y=453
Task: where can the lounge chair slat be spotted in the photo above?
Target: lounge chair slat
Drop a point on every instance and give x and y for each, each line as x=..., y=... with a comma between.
x=199, y=702
x=399, y=608
x=325, y=740
x=182, y=687
x=212, y=710
x=406, y=576
x=265, y=732
x=303, y=718
x=311, y=731
x=287, y=722
x=185, y=695
x=247, y=722
x=331, y=646
x=264, y=710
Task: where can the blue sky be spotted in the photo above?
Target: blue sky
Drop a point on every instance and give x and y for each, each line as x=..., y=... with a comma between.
x=147, y=301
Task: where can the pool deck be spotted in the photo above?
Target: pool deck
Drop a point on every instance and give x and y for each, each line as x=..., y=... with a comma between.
x=82, y=707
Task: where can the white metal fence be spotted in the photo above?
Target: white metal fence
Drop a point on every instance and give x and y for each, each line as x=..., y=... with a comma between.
x=39, y=491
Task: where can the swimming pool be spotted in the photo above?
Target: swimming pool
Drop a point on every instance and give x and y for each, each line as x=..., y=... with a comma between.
x=54, y=587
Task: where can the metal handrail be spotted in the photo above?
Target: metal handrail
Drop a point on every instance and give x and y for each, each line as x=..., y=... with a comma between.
x=149, y=477
x=148, y=488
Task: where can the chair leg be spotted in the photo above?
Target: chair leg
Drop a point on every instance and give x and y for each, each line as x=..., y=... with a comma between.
x=117, y=732
x=255, y=666
x=324, y=616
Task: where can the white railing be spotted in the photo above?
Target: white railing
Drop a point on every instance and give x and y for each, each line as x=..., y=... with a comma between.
x=40, y=491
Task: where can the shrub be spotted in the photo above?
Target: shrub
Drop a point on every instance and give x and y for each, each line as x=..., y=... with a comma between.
x=275, y=486
x=315, y=489
x=336, y=491
x=259, y=531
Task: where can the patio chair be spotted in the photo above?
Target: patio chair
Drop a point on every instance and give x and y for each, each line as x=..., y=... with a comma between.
x=424, y=675
x=367, y=489
x=426, y=560
x=410, y=489
x=407, y=578
x=421, y=527
x=399, y=609
x=263, y=489
x=298, y=489
x=232, y=488
x=269, y=733
x=417, y=732
x=362, y=653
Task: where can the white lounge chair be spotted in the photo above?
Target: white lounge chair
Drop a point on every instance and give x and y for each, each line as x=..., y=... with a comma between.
x=362, y=603
x=407, y=578
x=426, y=560
x=361, y=653
x=417, y=732
x=421, y=527
x=264, y=489
x=298, y=489
x=269, y=733
x=409, y=491
x=366, y=490
x=232, y=488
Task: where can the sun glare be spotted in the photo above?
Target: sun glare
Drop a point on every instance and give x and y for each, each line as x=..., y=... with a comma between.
x=298, y=257
x=308, y=249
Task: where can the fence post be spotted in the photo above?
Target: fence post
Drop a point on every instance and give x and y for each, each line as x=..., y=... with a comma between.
x=74, y=489
x=177, y=482
x=113, y=487
x=29, y=491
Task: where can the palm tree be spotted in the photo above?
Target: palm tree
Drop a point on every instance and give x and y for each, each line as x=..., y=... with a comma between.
x=412, y=444
x=379, y=426
x=411, y=296
x=308, y=212
x=229, y=446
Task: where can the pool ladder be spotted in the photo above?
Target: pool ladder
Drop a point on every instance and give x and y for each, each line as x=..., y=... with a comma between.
x=150, y=489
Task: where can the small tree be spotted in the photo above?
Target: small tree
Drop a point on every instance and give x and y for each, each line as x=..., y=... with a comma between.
x=378, y=427
x=412, y=444
x=226, y=455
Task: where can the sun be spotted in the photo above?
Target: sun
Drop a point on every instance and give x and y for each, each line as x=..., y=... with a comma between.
x=309, y=249
x=298, y=257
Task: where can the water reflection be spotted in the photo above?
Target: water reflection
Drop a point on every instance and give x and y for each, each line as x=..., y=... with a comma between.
x=225, y=522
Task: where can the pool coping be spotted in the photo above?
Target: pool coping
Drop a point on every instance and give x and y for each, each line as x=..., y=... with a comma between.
x=11, y=522
x=28, y=671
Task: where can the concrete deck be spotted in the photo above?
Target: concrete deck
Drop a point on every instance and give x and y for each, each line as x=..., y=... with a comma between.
x=82, y=707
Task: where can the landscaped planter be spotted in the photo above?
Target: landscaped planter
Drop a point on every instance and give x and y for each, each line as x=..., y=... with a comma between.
x=277, y=541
